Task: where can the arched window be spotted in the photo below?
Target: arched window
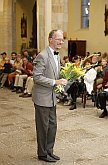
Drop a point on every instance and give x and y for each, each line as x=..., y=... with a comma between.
x=85, y=4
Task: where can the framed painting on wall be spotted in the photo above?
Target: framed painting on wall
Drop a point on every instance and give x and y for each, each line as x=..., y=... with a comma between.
x=106, y=21
x=23, y=27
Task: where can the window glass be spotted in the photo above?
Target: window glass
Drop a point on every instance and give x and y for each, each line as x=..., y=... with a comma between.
x=85, y=4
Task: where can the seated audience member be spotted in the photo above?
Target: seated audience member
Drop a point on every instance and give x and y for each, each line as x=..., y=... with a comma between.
x=13, y=57
x=95, y=59
x=91, y=73
x=29, y=56
x=16, y=67
x=66, y=61
x=2, y=61
x=26, y=70
x=1, y=70
x=102, y=93
x=33, y=56
x=76, y=60
x=28, y=88
x=89, y=79
x=80, y=85
x=75, y=89
x=87, y=54
x=6, y=70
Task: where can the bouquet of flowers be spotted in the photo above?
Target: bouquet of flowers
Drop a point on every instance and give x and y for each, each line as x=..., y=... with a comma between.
x=70, y=72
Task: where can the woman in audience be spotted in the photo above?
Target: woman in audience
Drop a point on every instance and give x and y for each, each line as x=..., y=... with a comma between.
x=102, y=93
x=16, y=67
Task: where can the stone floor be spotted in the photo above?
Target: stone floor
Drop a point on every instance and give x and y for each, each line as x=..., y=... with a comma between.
x=82, y=137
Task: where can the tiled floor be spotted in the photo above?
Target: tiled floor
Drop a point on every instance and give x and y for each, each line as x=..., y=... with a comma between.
x=82, y=137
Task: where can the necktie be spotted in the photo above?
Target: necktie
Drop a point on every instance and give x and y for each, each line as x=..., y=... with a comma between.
x=56, y=53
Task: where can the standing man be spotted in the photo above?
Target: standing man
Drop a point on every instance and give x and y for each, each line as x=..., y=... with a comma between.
x=46, y=77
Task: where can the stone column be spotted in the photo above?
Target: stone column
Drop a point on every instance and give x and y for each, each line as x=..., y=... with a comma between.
x=6, y=25
x=14, y=25
x=48, y=14
x=44, y=22
x=53, y=14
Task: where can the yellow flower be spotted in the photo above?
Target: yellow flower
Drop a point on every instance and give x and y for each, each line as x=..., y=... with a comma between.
x=70, y=72
x=59, y=88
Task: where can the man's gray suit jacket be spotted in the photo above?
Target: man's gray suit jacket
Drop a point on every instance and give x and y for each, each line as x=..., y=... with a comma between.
x=44, y=74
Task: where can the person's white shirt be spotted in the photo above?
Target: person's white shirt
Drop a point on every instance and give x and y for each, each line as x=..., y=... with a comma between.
x=12, y=61
x=89, y=78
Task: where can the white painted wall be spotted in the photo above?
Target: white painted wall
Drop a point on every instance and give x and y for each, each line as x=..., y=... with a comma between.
x=96, y=40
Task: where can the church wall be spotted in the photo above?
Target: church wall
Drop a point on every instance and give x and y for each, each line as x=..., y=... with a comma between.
x=23, y=6
x=96, y=40
x=63, y=14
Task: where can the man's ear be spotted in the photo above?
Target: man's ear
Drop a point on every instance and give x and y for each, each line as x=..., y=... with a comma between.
x=50, y=39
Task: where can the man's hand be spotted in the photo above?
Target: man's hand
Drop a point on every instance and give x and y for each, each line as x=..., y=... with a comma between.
x=61, y=82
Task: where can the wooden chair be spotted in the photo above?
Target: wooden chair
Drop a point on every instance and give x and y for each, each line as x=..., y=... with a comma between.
x=84, y=96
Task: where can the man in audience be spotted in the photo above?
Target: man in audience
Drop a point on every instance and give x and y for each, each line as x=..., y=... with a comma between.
x=13, y=57
x=26, y=70
x=29, y=56
x=28, y=88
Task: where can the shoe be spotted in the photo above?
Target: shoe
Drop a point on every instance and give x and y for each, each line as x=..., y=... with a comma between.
x=22, y=95
x=89, y=97
x=72, y=107
x=11, y=88
x=98, y=106
x=27, y=95
x=104, y=113
x=19, y=91
x=1, y=86
x=47, y=158
x=14, y=90
x=67, y=103
x=58, y=101
x=54, y=156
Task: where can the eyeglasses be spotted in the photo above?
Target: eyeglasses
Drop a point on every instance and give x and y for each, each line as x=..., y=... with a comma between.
x=60, y=40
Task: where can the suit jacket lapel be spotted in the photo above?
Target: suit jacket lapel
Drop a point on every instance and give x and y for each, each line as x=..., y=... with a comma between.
x=52, y=62
x=58, y=57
